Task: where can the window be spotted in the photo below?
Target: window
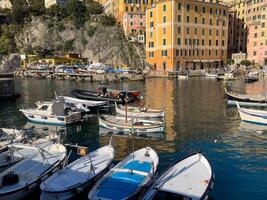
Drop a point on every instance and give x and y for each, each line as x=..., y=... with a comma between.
x=217, y=33
x=255, y=35
x=195, y=20
x=179, y=6
x=210, y=21
x=164, y=31
x=151, y=14
x=187, y=30
x=177, y=52
x=262, y=33
x=223, y=32
x=179, y=29
x=203, y=31
x=254, y=53
x=209, y=42
x=210, y=32
x=151, y=34
x=203, y=20
x=196, y=9
x=179, y=18
x=222, y=42
x=209, y=52
x=164, y=53
x=164, y=7
x=151, y=44
x=151, y=54
x=131, y=23
x=179, y=41
x=195, y=31
x=187, y=19
x=216, y=52
x=164, y=42
x=255, y=44
x=151, y=24
x=164, y=19
x=210, y=10
x=203, y=42
x=203, y=10
x=188, y=7
x=263, y=25
x=217, y=42
x=202, y=52
x=164, y=65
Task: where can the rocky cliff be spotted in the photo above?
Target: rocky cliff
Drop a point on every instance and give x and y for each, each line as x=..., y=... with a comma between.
x=97, y=42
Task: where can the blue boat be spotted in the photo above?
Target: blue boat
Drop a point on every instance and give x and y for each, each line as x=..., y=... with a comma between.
x=129, y=178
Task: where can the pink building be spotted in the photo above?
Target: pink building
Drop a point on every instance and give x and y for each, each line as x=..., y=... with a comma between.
x=257, y=31
x=134, y=24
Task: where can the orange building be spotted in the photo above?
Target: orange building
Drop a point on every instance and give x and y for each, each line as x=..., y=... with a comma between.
x=186, y=34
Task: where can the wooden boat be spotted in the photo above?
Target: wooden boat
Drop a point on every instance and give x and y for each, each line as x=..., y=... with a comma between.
x=211, y=76
x=25, y=177
x=7, y=136
x=182, y=77
x=252, y=116
x=251, y=79
x=89, y=95
x=190, y=178
x=116, y=93
x=227, y=77
x=245, y=97
x=12, y=156
x=128, y=178
x=247, y=104
x=132, y=125
x=139, y=112
x=79, y=175
x=53, y=113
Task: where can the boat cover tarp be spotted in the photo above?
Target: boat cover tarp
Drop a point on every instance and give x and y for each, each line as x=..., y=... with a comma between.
x=138, y=166
x=121, y=185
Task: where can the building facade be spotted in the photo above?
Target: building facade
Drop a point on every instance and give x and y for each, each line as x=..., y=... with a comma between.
x=5, y=4
x=238, y=30
x=134, y=24
x=186, y=34
x=257, y=31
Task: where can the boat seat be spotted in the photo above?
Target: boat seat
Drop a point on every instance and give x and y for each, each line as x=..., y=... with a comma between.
x=138, y=166
x=130, y=171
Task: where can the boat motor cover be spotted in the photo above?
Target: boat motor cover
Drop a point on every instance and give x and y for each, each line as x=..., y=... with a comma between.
x=58, y=108
x=10, y=179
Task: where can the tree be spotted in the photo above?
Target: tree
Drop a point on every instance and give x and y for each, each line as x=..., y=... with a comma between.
x=93, y=7
x=37, y=7
x=245, y=62
x=20, y=11
x=230, y=61
x=57, y=11
x=77, y=11
x=107, y=20
x=68, y=46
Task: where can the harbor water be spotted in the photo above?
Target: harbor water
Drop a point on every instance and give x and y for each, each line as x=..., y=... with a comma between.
x=197, y=119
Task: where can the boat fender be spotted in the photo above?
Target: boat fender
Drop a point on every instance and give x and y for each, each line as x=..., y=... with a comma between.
x=10, y=179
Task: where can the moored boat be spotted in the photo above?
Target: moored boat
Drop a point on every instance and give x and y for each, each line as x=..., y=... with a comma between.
x=245, y=97
x=190, y=178
x=211, y=76
x=131, y=125
x=53, y=113
x=116, y=93
x=251, y=79
x=90, y=95
x=247, y=104
x=182, y=77
x=140, y=112
x=227, y=77
x=129, y=178
x=79, y=175
x=8, y=136
x=252, y=116
x=25, y=177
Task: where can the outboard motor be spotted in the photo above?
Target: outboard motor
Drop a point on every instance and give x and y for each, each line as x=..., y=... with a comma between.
x=10, y=179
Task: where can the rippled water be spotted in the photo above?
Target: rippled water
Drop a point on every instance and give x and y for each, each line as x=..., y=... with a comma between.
x=195, y=111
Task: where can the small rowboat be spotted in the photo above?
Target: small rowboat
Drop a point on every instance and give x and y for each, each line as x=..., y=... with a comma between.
x=12, y=156
x=191, y=178
x=79, y=175
x=132, y=125
x=89, y=95
x=248, y=104
x=25, y=177
x=252, y=116
x=129, y=178
x=245, y=97
x=7, y=136
x=139, y=112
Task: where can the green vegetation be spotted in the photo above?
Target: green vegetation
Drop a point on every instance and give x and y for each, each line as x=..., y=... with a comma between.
x=230, y=61
x=57, y=17
x=245, y=62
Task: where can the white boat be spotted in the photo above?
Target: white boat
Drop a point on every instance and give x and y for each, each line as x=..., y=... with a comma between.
x=53, y=113
x=227, y=77
x=252, y=116
x=25, y=177
x=14, y=155
x=246, y=103
x=8, y=136
x=128, y=178
x=182, y=77
x=132, y=125
x=211, y=76
x=191, y=178
x=139, y=112
x=79, y=175
x=79, y=102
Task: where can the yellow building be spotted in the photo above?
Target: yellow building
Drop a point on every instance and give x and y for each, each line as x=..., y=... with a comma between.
x=186, y=34
x=119, y=7
x=238, y=30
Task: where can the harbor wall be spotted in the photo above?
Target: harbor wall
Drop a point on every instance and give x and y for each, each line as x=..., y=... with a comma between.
x=7, y=85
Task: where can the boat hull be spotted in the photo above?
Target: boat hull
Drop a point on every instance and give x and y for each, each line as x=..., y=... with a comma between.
x=140, y=114
x=114, y=127
x=52, y=120
x=244, y=103
x=244, y=98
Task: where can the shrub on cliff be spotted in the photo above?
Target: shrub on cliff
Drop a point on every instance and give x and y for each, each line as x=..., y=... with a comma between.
x=93, y=7
x=77, y=11
x=107, y=20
